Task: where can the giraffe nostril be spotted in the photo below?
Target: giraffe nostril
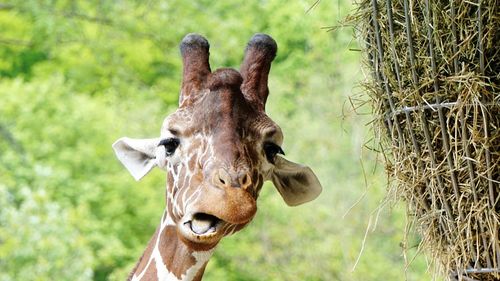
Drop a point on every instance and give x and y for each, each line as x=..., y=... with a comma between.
x=246, y=181
x=222, y=178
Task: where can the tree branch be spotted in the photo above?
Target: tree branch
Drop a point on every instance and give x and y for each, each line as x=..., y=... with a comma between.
x=104, y=21
x=9, y=41
x=7, y=135
x=4, y=6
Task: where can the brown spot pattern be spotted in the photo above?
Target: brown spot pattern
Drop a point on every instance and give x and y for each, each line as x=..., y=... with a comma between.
x=151, y=272
x=141, y=264
x=176, y=256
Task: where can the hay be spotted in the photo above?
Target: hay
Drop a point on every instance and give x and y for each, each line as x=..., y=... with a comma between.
x=435, y=93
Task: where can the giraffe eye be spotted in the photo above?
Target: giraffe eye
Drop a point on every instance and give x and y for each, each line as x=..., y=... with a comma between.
x=170, y=145
x=271, y=149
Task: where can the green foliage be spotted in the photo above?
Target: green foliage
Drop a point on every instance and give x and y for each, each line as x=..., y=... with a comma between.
x=53, y=142
x=77, y=75
x=29, y=235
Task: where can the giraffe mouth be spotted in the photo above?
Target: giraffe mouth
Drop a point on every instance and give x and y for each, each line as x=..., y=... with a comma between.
x=203, y=223
x=201, y=227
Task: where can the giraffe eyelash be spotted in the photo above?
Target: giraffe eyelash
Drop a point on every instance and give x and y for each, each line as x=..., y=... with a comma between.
x=271, y=149
x=170, y=145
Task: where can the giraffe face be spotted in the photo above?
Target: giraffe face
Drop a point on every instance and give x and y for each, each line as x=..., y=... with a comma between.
x=218, y=152
x=219, y=147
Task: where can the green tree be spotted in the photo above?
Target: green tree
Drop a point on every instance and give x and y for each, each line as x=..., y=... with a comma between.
x=77, y=75
x=39, y=241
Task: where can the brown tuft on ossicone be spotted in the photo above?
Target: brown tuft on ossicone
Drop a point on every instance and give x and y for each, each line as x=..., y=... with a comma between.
x=260, y=52
x=195, y=55
x=264, y=43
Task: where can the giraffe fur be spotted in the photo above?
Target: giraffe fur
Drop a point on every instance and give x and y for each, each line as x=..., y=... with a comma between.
x=218, y=148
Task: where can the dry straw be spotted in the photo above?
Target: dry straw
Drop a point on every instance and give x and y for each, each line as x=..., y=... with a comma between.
x=435, y=94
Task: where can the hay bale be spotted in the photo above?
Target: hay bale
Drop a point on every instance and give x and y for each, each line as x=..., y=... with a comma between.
x=435, y=92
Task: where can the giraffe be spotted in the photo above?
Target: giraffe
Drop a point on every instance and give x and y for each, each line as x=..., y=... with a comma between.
x=217, y=149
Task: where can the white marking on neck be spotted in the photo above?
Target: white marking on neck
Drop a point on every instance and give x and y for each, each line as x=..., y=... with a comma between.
x=163, y=223
x=164, y=274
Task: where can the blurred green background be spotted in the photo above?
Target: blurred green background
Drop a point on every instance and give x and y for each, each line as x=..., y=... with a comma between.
x=77, y=75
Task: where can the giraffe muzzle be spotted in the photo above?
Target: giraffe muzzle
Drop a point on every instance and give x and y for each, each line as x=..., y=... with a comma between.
x=226, y=205
x=228, y=211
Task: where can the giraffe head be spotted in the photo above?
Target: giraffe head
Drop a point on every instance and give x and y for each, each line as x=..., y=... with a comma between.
x=219, y=146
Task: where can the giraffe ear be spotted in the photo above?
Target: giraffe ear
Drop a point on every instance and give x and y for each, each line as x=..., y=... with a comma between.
x=296, y=183
x=137, y=155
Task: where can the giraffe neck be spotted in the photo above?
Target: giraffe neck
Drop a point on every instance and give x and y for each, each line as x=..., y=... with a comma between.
x=168, y=258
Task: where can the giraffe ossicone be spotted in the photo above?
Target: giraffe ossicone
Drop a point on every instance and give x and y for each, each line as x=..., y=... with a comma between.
x=217, y=148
